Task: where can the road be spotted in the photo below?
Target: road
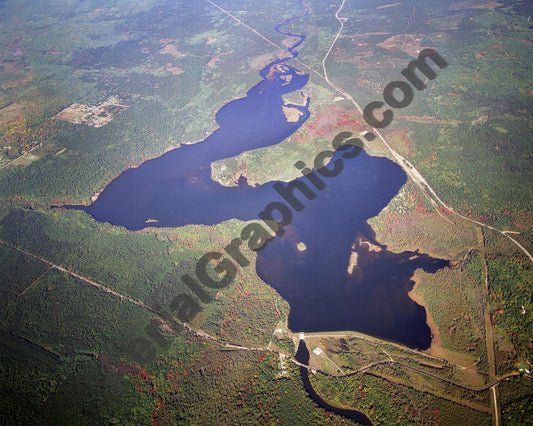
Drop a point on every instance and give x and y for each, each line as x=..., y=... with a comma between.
x=214, y=339
x=20, y=156
x=421, y=183
x=495, y=402
x=370, y=339
x=105, y=289
x=411, y=171
x=334, y=40
x=416, y=370
x=489, y=335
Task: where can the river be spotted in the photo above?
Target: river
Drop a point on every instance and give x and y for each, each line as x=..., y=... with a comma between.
x=302, y=355
x=176, y=189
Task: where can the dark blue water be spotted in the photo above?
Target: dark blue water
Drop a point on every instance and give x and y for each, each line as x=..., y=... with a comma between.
x=302, y=355
x=176, y=189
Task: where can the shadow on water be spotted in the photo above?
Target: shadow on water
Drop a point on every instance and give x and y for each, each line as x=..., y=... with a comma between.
x=302, y=355
x=325, y=294
x=176, y=189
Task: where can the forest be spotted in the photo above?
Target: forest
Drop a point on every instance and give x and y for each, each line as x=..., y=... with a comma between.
x=92, y=315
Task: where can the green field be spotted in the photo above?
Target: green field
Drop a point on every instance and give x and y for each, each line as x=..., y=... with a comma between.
x=90, y=329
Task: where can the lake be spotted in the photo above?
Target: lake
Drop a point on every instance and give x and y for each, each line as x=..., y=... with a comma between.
x=176, y=190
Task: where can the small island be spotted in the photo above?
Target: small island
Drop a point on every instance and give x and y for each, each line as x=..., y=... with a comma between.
x=301, y=246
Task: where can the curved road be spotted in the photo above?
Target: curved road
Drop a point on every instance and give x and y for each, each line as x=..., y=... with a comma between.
x=215, y=340
x=417, y=370
x=405, y=164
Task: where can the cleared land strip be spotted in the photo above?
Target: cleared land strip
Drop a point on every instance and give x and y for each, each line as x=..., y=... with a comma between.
x=416, y=370
x=415, y=175
x=411, y=171
x=34, y=282
x=108, y=290
x=232, y=346
x=136, y=302
x=20, y=156
x=489, y=335
x=244, y=25
x=370, y=339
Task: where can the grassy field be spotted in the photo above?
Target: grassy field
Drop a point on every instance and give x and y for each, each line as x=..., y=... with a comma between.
x=73, y=353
